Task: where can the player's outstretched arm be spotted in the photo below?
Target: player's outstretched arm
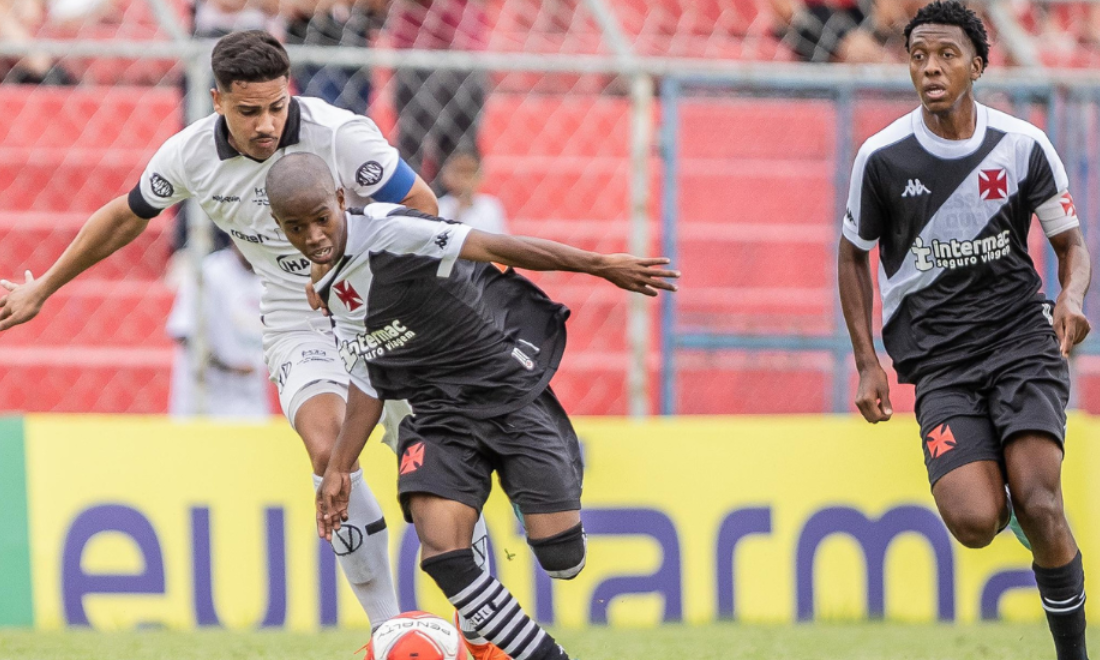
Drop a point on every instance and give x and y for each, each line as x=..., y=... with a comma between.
x=856, y=299
x=363, y=413
x=625, y=271
x=1074, y=273
x=108, y=230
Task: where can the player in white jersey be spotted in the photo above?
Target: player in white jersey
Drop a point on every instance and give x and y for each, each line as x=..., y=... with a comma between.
x=221, y=162
x=947, y=194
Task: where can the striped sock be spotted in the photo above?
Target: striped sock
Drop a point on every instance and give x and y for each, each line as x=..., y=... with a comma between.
x=1062, y=592
x=490, y=607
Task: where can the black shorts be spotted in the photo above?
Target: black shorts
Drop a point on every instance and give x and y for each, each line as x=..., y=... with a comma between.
x=967, y=410
x=534, y=451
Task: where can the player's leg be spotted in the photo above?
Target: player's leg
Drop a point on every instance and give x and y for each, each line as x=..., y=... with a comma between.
x=542, y=471
x=1034, y=461
x=445, y=527
x=972, y=502
x=1029, y=405
x=312, y=390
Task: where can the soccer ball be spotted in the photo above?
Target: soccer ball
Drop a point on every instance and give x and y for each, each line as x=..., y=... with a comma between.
x=416, y=636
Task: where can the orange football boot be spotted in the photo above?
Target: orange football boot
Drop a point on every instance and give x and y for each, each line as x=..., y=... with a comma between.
x=486, y=651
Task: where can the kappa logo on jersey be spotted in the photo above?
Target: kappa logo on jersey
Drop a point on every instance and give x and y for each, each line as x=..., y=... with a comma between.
x=915, y=188
x=369, y=173
x=412, y=459
x=161, y=187
x=959, y=254
x=375, y=343
x=295, y=264
x=992, y=184
x=443, y=239
x=1048, y=313
x=940, y=441
x=348, y=295
x=1068, y=207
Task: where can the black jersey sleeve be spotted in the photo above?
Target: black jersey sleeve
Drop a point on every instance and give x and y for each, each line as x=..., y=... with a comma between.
x=866, y=214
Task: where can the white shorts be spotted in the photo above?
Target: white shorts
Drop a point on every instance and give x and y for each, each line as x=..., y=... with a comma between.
x=302, y=364
x=305, y=363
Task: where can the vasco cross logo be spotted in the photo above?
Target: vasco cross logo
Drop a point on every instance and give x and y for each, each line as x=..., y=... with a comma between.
x=161, y=187
x=369, y=173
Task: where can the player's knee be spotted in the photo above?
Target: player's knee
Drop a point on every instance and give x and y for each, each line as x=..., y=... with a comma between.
x=562, y=555
x=1039, y=507
x=972, y=529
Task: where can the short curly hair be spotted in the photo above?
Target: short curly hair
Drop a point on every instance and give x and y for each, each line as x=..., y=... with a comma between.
x=953, y=12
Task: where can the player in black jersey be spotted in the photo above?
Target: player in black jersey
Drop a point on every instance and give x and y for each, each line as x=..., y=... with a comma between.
x=947, y=194
x=421, y=313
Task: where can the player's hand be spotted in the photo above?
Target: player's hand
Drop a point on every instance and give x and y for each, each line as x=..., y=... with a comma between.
x=315, y=301
x=20, y=303
x=637, y=273
x=873, y=395
x=1070, y=324
x=332, y=502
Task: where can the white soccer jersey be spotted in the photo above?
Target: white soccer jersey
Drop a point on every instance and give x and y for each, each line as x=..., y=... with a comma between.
x=951, y=220
x=199, y=162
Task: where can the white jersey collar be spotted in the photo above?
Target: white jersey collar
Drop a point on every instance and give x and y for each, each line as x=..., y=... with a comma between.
x=944, y=148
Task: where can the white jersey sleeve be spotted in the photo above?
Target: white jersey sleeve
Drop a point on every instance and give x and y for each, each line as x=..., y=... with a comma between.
x=368, y=165
x=421, y=236
x=164, y=181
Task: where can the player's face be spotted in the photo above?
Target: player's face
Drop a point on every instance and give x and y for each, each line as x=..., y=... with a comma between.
x=317, y=227
x=943, y=65
x=255, y=113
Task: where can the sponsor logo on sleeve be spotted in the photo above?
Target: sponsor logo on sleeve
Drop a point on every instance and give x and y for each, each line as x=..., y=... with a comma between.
x=160, y=186
x=443, y=238
x=369, y=173
x=1068, y=207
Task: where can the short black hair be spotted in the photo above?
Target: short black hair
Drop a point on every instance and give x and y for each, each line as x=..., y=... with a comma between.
x=953, y=12
x=248, y=56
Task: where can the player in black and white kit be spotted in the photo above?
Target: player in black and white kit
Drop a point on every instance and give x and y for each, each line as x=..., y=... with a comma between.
x=421, y=313
x=947, y=193
x=221, y=162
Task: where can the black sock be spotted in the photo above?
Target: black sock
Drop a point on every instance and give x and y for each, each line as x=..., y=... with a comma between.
x=490, y=607
x=1062, y=591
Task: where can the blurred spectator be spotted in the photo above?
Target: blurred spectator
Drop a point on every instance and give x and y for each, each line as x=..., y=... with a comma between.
x=437, y=111
x=216, y=18
x=461, y=179
x=235, y=375
x=340, y=23
x=852, y=31
x=19, y=20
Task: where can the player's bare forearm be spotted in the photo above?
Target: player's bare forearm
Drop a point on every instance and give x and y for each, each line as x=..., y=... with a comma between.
x=857, y=301
x=1074, y=266
x=1074, y=272
x=625, y=271
x=421, y=198
x=363, y=413
x=108, y=230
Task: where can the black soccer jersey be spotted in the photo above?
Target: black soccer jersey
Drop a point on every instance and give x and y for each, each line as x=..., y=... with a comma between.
x=951, y=220
x=413, y=321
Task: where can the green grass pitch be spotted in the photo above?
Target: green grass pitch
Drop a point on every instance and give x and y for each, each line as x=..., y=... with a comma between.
x=870, y=641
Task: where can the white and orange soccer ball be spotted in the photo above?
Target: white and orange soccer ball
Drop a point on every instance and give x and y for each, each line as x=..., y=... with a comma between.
x=416, y=636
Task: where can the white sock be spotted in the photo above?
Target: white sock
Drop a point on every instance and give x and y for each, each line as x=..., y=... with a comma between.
x=480, y=545
x=362, y=550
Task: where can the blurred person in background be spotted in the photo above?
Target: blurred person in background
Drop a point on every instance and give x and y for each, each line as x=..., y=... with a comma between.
x=437, y=111
x=350, y=23
x=461, y=179
x=234, y=376
x=214, y=19
x=19, y=20
x=947, y=193
x=851, y=31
